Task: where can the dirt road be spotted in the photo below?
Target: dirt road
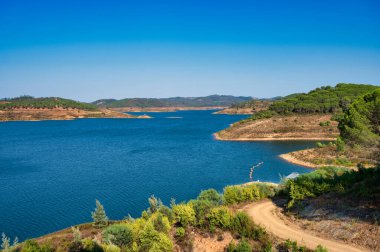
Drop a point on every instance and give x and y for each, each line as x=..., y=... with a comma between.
x=263, y=213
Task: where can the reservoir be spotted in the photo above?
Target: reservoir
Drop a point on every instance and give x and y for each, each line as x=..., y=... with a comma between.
x=51, y=172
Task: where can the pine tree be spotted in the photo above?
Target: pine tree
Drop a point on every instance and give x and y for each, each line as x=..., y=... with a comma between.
x=5, y=243
x=99, y=216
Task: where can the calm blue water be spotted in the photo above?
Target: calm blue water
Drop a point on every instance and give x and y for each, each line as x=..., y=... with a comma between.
x=51, y=172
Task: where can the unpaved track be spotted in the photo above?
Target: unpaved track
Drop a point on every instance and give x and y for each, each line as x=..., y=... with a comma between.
x=263, y=213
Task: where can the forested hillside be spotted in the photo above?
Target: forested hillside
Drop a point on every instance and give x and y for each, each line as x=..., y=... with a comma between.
x=325, y=99
x=207, y=101
x=46, y=102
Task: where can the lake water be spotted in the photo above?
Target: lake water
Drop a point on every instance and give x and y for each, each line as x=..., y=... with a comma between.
x=51, y=172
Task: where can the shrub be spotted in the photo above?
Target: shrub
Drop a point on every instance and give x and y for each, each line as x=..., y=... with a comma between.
x=32, y=246
x=152, y=240
x=220, y=217
x=319, y=248
x=184, y=214
x=118, y=234
x=242, y=246
x=212, y=196
x=89, y=245
x=244, y=226
x=180, y=232
x=239, y=194
x=111, y=248
x=161, y=223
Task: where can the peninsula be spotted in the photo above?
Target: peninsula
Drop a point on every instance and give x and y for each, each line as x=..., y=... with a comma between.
x=27, y=108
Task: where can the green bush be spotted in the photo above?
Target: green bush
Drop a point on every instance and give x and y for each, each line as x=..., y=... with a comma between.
x=220, y=217
x=89, y=245
x=212, y=196
x=242, y=246
x=184, y=214
x=238, y=194
x=243, y=226
x=32, y=246
x=180, y=232
x=118, y=234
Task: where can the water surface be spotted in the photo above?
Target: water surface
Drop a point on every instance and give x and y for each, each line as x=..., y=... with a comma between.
x=51, y=172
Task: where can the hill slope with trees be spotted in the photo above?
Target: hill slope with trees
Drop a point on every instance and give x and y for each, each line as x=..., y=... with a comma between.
x=312, y=116
x=28, y=108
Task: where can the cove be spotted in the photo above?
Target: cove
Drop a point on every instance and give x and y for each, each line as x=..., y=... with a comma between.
x=51, y=172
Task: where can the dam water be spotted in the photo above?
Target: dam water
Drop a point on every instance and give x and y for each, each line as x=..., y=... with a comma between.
x=51, y=172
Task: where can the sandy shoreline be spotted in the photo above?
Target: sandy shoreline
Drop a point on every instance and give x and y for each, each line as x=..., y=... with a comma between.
x=242, y=139
x=289, y=158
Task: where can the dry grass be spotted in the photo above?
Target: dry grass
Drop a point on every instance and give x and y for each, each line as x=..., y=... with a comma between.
x=282, y=128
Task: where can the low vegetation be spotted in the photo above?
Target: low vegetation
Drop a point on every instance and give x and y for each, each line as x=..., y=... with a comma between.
x=361, y=185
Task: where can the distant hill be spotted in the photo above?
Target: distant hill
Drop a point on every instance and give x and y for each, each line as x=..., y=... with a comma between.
x=207, y=101
x=45, y=102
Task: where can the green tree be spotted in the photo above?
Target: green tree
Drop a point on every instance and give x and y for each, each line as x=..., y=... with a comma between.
x=99, y=216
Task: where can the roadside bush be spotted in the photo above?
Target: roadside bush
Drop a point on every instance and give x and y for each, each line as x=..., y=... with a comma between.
x=118, y=234
x=184, y=214
x=243, y=226
x=238, y=194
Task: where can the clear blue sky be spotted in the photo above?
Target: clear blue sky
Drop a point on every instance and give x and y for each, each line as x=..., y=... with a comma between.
x=87, y=50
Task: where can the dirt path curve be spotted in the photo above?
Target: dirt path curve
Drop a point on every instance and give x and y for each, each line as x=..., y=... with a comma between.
x=263, y=213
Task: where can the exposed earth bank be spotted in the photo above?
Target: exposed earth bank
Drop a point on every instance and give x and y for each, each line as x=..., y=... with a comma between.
x=328, y=156
x=292, y=127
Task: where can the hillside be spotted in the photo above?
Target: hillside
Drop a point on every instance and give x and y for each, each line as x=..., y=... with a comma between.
x=207, y=101
x=299, y=116
x=247, y=108
x=27, y=108
x=359, y=140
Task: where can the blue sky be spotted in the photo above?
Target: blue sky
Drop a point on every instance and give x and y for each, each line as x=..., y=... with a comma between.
x=86, y=50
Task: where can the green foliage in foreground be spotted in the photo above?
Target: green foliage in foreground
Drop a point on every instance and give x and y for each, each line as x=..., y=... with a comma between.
x=46, y=102
x=363, y=184
x=154, y=231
